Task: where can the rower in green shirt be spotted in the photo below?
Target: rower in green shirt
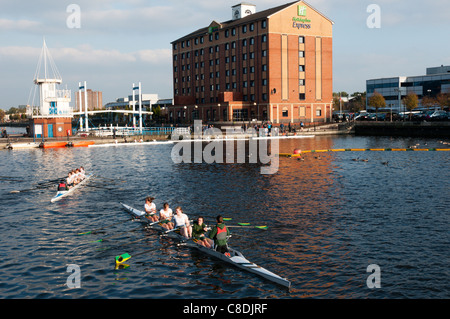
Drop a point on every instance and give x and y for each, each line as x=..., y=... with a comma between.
x=220, y=235
x=198, y=233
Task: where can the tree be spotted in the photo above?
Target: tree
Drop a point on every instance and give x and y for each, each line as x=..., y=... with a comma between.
x=428, y=102
x=443, y=100
x=411, y=101
x=377, y=101
x=2, y=115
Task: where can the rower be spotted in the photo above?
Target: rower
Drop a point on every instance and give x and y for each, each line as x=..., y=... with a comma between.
x=198, y=233
x=220, y=234
x=165, y=217
x=182, y=221
x=150, y=209
x=62, y=186
x=70, y=180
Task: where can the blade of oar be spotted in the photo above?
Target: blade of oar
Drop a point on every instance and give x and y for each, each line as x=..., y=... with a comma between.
x=124, y=257
x=98, y=229
x=248, y=226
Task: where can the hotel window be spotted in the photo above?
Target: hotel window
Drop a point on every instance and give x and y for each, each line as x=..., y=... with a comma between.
x=252, y=69
x=201, y=40
x=233, y=72
x=188, y=55
x=301, y=54
x=252, y=26
x=196, y=52
x=285, y=112
x=244, y=29
x=175, y=57
x=211, y=75
x=264, y=97
x=252, y=55
x=202, y=51
x=217, y=74
x=264, y=82
x=301, y=68
x=263, y=24
x=252, y=83
x=301, y=39
x=211, y=62
x=227, y=86
x=217, y=61
x=252, y=41
x=227, y=72
x=264, y=38
x=233, y=31
x=188, y=43
x=196, y=41
x=264, y=67
x=227, y=33
x=244, y=56
x=216, y=36
x=244, y=42
x=301, y=82
x=233, y=45
x=211, y=50
x=244, y=84
x=227, y=59
x=302, y=96
x=227, y=46
x=217, y=48
x=233, y=58
x=252, y=97
x=234, y=85
x=244, y=70
x=175, y=46
x=182, y=44
x=210, y=38
x=264, y=53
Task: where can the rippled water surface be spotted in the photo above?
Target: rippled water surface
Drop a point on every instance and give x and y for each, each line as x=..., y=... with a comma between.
x=329, y=217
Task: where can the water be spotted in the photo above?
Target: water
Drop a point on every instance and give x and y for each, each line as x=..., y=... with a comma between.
x=328, y=219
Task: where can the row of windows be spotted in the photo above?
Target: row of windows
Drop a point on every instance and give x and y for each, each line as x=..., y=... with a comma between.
x=228, y=86
x=232, y=72
x=233, y=58
x=216, y=35
x=212, y=49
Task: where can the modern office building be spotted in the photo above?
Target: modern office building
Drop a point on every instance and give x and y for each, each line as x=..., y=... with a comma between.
x=394, y=89
x=274, y=65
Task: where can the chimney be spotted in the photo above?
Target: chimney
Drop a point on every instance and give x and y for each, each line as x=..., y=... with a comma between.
x=242, y=10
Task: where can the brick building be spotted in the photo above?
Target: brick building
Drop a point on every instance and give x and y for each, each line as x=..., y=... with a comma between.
x=94, y=100
x=274, y=65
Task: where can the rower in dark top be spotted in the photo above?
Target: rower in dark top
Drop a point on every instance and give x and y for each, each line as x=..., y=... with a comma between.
x=62, y=186
x=220, y=235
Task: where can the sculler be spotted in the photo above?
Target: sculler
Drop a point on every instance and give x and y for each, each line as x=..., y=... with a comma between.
x=182, y=221
x=165, y=217
x=150, y=209
x=220, y=234
x=199, y=230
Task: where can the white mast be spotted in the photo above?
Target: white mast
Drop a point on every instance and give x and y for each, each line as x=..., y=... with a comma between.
x=134, y=104
x=140, y=109
x=86, y=107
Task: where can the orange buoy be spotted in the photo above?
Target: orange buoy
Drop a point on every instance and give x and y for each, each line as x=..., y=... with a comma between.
x=297, y=151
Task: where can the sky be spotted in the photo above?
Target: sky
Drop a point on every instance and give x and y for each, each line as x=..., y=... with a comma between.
x=119, y=43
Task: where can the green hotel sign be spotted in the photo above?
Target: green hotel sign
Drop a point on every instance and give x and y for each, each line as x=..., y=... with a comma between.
x=301, y=11
x=300, y=21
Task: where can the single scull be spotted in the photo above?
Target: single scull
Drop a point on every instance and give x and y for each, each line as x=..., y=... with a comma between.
x=61, y=194
x=236, y=258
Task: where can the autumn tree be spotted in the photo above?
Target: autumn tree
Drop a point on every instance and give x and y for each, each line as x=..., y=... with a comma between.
x=411, y=101
x=377, y=101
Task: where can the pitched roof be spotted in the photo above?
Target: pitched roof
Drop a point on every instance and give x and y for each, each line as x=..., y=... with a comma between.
x=230, y=23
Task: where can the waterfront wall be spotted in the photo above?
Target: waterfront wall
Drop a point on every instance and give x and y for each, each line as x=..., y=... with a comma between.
x=411, y=129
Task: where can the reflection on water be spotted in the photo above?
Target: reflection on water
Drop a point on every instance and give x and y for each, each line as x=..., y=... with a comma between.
x=328, y=219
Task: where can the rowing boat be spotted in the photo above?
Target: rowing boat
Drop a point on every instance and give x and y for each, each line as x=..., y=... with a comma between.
x=236, y=258
x=61, y=194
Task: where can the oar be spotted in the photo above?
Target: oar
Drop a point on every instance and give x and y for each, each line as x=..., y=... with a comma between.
x=98, y=229
x=245, y=225
x=30, y=189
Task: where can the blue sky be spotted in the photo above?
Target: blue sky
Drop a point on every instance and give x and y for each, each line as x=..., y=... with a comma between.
x=121, y=42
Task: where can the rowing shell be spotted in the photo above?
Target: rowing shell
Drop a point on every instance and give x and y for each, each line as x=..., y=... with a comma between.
x=236, y=258
x=61, y=194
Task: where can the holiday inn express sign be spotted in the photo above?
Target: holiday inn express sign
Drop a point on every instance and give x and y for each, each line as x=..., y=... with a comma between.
x=300, y=21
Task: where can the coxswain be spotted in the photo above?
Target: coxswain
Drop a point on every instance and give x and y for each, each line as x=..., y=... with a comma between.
x=62, y=186
x=150, y=209
x=199, y=230
x=182, y=221
x=220, y=234
x=165, y=217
